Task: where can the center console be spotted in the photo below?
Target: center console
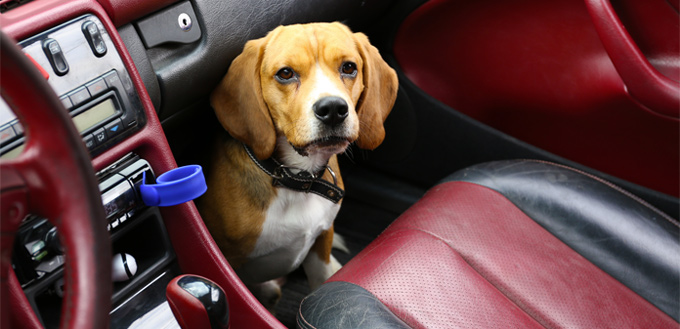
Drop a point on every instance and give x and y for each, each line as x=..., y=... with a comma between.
x=80, y=62
x=91, y=54
x=137, y=231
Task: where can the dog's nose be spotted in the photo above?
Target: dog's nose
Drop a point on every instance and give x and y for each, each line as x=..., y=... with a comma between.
x=331, y=110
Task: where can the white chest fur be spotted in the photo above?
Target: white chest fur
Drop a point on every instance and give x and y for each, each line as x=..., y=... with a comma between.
x=294, y=220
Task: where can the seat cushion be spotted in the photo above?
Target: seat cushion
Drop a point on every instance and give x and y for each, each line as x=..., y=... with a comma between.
x=615, y=230
x=466, y=256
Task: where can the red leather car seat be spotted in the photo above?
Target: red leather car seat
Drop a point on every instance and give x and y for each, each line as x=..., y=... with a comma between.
x=512, y=244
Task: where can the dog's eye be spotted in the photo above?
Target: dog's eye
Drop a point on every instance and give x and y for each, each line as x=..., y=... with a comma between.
x=285, y=74
x=349, y=68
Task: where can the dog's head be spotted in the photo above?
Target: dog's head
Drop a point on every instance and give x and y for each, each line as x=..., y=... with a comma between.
x=319, y=85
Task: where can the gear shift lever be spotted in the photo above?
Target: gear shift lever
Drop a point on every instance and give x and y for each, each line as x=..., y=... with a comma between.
x=197, y=303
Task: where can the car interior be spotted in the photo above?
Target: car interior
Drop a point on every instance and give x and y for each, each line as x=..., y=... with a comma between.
x=529, y=176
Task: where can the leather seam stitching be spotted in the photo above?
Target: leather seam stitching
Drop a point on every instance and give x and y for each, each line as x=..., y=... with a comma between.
x=302, y=317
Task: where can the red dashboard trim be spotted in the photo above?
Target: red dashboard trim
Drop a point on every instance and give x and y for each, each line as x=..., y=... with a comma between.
x=124, y=11
x=196, y=251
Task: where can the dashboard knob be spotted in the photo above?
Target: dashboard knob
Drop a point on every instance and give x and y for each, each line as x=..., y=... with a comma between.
x=52, y=243
x=123, y=267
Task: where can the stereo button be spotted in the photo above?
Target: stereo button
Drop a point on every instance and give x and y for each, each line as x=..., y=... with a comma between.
x=97, y=87
x=67, y=102
x=112, y=79
x=100, y=136
x=114, y=128
x=56, y=56
x=7, y=134
x=18, y=128
x=80, y=96
x=89, y=142
x=94, y=38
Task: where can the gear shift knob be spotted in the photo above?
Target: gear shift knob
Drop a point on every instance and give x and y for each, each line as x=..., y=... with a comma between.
x=197, y=303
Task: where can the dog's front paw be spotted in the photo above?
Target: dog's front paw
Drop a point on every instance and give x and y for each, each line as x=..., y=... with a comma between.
x=335, y=265
x=268, y=293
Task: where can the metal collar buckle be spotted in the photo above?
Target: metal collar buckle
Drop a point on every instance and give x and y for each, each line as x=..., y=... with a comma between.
x=283, y=171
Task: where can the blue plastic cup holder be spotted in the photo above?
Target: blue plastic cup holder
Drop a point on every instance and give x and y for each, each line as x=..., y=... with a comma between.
x=174, y=187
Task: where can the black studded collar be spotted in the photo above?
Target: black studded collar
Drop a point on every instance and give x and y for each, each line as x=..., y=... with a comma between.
x=302, y=181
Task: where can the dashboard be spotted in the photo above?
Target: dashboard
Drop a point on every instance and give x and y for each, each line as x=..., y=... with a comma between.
x=83, y=67
x=91, y=81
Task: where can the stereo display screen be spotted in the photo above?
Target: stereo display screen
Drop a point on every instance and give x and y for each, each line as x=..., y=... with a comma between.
x=94, y=115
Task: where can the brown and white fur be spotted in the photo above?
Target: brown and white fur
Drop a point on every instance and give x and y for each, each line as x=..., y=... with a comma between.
x=267, y=100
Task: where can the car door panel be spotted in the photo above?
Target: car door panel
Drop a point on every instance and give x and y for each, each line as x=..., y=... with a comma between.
x=539, y=72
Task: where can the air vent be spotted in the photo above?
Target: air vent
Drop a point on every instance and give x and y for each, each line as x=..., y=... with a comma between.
x=7, y=5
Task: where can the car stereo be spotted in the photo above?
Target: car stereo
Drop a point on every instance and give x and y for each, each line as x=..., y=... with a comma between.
x=136, y=230
x=81, y=64
x=38, y=251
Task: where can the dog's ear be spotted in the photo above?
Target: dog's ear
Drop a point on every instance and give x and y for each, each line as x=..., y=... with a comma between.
x=380, y=92
x=239, y=104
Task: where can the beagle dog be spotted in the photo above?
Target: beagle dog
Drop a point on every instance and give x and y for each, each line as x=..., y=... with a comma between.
x=290, y=102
